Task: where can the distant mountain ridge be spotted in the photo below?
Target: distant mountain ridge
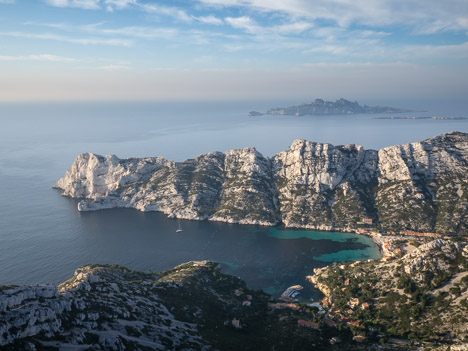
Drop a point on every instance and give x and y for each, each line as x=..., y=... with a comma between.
x=322, y=107
x=421, y=186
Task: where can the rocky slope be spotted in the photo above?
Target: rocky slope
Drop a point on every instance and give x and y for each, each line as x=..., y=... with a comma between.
x=190, y=307
x=113, y=308
x=421, y=296
x=421, y=186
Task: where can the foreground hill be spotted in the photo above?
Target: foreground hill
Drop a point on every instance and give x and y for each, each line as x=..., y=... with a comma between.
x=421, y=186
x=420, y=299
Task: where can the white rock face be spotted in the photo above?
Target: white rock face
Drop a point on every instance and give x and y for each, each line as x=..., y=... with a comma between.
x=419, y=186
x=15, y=296
x=109, y=307
x=435, y=254
x=93, y=176
x=24, y=315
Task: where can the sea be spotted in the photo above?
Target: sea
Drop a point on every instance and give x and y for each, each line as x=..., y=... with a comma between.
x=43, y=238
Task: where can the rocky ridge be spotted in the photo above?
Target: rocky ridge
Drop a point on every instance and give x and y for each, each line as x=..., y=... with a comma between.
x=190, y=307
x=419, y=186
x=109, y=307
x=422, y=296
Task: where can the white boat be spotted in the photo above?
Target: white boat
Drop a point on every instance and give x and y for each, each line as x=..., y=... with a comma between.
x=178, y=229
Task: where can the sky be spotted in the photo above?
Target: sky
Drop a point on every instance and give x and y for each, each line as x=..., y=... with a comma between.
x=64, y=50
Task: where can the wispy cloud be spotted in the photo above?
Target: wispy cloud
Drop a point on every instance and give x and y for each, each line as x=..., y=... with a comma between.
x=169, y=11
x=82, y=41
x=118, y=4
x=82, y=4
x=145, y=32
x=250, y=26
x=444, y=14
x=38, y=57
x=211, y=19
x=137, y=32
x=7, y=1
x=245, y=23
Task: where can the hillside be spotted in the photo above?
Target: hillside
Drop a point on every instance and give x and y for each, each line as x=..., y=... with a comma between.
x=422, y=296
x=420, y=299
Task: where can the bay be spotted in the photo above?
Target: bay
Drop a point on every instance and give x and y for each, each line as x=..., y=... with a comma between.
x=43, y=238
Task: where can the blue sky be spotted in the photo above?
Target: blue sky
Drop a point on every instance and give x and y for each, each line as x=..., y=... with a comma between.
x=221, y=49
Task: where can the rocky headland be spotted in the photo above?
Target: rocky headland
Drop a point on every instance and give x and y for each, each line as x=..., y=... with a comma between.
x=322, y=107
x=109, y=307
x=420, y=186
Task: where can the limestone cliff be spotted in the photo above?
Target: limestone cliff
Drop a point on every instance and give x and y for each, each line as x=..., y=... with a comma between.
x=421, y=186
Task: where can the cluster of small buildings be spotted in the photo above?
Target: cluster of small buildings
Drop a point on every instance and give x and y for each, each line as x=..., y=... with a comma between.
x=430, y=235
x=340, y=318
x=369, y=231
x=390, y=251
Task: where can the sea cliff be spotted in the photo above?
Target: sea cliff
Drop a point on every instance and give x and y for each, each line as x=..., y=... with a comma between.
x=420, y=186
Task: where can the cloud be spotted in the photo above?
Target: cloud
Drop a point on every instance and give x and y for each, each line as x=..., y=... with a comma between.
x=245, y=23
x=144, y=32
x=82, y=41
x=82, y=4
x=211, y=19
x=138, y=32
x=173, y=12
x=38, y=57
x=7, y=1
x=445, y=14
x=118, y=4
x=250, y=26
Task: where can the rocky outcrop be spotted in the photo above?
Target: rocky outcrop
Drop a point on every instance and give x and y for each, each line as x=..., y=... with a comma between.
x=320, y=186
x=420, y=186
x=108, y=307
x=423, y=257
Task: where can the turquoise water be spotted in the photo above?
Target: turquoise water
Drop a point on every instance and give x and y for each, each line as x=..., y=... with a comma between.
x=371, y=251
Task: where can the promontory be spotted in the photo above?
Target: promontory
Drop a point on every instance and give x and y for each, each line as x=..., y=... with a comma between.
x=420, y=186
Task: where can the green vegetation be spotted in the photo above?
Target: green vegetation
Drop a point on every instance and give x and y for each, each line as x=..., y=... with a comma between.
x=421, y=305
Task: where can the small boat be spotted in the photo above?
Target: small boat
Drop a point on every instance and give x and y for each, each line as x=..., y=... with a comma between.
x=178, y=229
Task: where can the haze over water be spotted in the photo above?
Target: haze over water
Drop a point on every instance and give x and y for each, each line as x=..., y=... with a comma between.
x=43, y=238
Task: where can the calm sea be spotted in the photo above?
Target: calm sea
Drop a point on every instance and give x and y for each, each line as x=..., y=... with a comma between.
x=43, y=238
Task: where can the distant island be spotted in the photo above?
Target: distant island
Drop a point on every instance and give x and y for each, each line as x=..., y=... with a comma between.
x=322, y=107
